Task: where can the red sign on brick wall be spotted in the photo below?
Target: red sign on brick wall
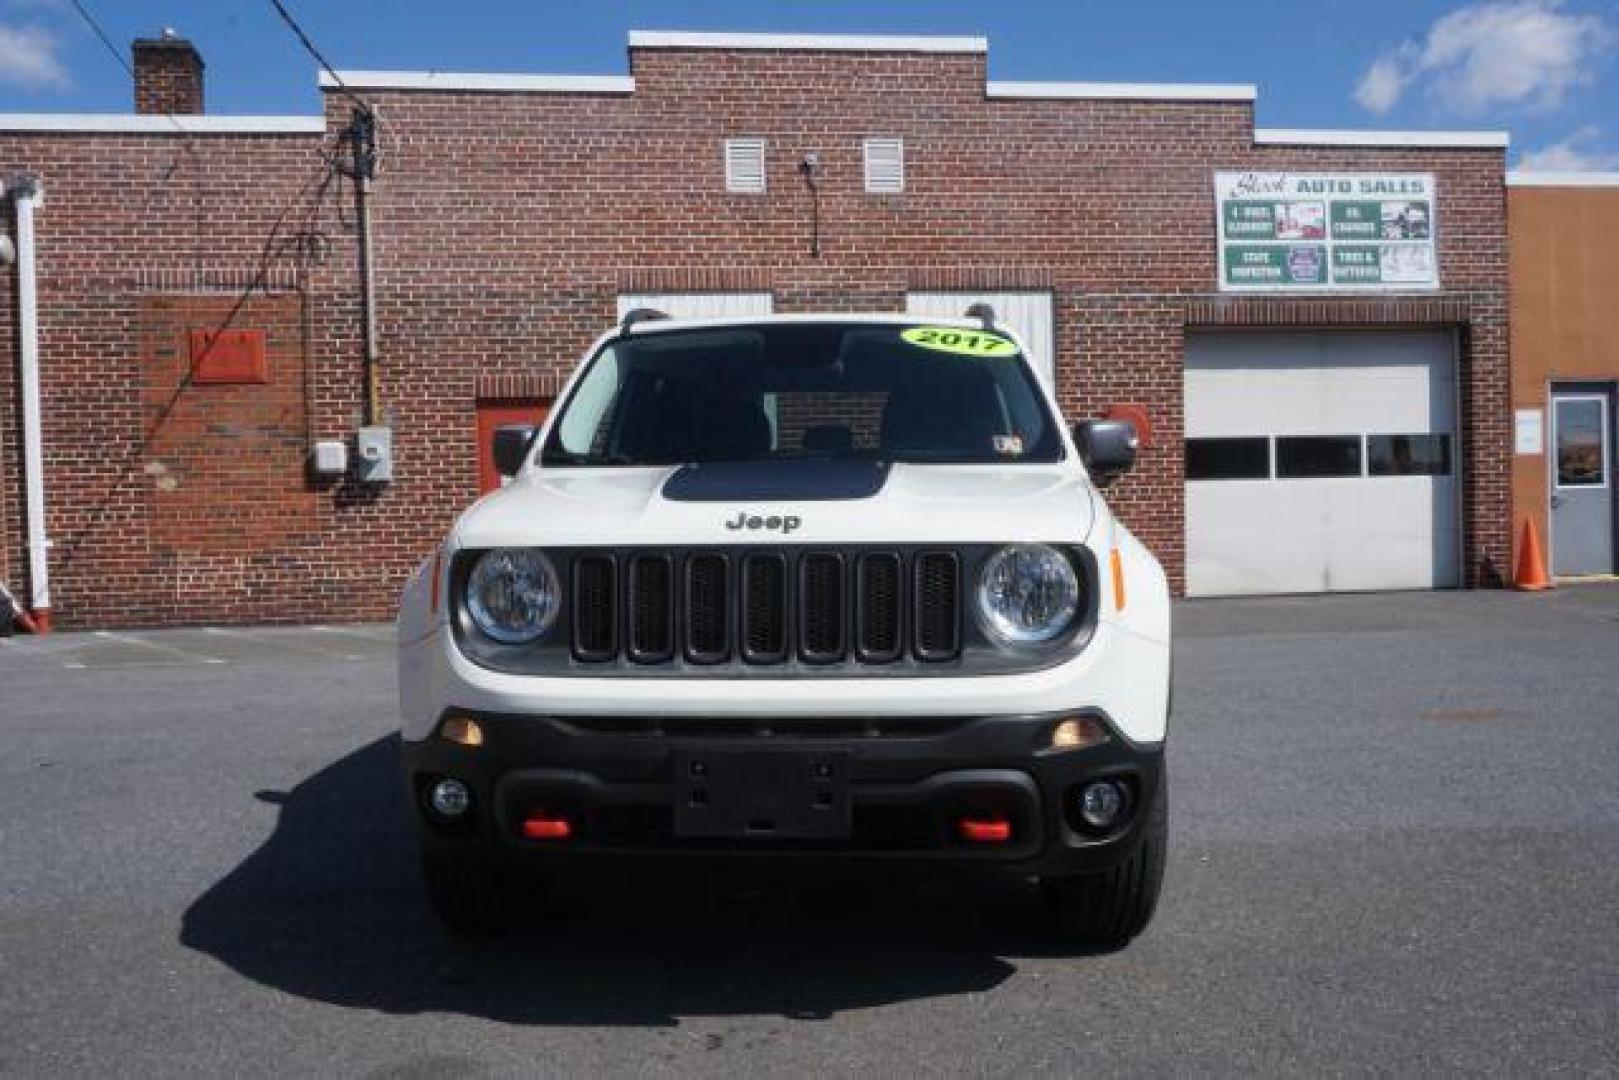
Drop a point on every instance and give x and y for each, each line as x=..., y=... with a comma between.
x=228, y=356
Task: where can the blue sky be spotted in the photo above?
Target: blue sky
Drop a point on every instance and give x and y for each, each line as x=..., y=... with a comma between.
x=1544, y=69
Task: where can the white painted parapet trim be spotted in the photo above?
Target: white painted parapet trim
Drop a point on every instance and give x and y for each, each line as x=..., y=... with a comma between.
x=665, y=39
x=162, y=124
x=1124, y=91
x=1493, y=140
x=480, y=82
x=1532, y=178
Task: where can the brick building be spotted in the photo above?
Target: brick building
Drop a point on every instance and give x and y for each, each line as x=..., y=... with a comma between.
x=1136, y=234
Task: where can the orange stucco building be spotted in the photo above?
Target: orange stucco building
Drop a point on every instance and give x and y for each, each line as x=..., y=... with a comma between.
x=1563, y=231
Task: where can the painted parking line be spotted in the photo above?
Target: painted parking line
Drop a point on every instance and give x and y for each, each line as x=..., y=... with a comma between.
x=285, y=641
x=379, y=638
x=106, y=648
x=126, y=639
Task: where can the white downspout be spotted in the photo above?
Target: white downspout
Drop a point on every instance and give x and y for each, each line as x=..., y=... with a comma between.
x=25, y=192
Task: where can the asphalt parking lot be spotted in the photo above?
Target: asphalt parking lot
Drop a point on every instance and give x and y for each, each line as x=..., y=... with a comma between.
x=1395, y=850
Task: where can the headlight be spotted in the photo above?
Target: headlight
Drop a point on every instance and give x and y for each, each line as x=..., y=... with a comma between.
x=513, y=595
x=1028, y=593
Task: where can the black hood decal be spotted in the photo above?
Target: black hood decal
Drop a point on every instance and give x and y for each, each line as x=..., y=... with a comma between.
x=804, y=480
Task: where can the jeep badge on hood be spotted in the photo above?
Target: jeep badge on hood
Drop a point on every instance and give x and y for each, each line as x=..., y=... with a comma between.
x=744, y=520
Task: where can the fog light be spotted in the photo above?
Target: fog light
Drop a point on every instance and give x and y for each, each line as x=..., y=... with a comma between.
x=463, y=730
x=1078, y=732
x=450, y=798
x=1101, y=803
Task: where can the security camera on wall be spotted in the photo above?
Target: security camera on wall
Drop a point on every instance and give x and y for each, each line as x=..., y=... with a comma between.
x=8, y=251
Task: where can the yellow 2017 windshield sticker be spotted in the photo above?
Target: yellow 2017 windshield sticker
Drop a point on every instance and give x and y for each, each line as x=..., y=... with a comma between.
x=961, y=342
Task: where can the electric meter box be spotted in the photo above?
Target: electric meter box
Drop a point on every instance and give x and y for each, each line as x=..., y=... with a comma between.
x=374, y=462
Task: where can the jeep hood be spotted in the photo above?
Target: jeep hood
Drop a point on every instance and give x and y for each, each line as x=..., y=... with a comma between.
x=909, y=504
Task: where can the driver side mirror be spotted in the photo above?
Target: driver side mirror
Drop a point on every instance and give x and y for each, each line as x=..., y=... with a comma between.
x=511, y=447
x=1107, y=447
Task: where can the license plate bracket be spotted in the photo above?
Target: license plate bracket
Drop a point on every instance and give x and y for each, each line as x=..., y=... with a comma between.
x=762, y=795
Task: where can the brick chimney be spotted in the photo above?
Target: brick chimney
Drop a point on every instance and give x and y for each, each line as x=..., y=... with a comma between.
x=168, y=75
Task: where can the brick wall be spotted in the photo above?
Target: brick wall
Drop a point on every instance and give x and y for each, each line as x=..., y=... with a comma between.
x=168, y=76
x=506, y=225
x=140, y=240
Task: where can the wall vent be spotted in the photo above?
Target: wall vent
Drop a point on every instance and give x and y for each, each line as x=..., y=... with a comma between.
x=885, y=166
x=745, y=166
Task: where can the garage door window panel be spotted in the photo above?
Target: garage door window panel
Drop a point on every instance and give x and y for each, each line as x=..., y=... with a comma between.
x=1228, y=459
x=1317, y=457
x=1412, y=454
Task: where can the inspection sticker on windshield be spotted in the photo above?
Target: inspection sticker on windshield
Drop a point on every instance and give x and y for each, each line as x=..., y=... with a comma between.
x=962, y=342
x=1008, y=445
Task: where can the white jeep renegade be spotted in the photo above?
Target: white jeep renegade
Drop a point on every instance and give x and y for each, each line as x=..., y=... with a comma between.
x=802, y=589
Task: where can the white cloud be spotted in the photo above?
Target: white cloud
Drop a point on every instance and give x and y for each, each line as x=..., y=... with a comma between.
x=1380, y=88
x=1525, y=53
x=1580, y=152
x=28, y=59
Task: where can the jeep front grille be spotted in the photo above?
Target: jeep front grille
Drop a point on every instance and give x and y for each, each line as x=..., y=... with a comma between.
x=766, y=607
x=595, y=630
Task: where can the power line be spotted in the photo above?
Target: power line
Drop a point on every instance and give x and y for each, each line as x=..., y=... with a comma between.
x=95, y=28
x=118, y=55
x=309, y=47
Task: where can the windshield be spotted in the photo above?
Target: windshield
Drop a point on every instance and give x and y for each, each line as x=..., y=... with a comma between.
x=803, y=390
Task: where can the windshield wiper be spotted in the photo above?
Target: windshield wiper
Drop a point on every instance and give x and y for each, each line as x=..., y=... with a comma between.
x=568, y=457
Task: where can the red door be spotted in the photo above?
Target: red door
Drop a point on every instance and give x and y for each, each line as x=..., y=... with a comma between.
x=495, y=413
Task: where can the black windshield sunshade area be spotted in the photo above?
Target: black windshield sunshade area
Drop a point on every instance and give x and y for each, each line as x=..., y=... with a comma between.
x=772, y=392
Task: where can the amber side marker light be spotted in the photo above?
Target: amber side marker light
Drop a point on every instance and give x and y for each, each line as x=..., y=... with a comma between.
x=985, y=830
x=463, y=730
x=547, y=827
x=1077, y=732
x=1118, y=581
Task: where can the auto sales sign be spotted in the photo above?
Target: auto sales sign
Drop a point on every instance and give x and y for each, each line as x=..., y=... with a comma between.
x=1316, y=232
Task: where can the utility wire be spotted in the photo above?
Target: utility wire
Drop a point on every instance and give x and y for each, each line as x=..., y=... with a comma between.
x=190, y=141
x=309, y=47
x=118, y=55
x=95, y=28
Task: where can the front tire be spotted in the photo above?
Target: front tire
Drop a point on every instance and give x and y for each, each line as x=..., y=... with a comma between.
x=472, y=896
x=1109, y=909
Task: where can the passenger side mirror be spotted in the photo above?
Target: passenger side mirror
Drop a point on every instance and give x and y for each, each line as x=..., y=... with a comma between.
x=1107, y=447
x=511, y=447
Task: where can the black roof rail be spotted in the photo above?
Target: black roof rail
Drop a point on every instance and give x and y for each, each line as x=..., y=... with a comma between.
x=983, y=312
x=640, y=315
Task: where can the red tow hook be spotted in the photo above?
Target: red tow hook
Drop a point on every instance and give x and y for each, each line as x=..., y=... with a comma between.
x=547, y=827
x=985, y=830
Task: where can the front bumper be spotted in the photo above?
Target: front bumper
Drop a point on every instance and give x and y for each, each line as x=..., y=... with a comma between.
x=903, y=787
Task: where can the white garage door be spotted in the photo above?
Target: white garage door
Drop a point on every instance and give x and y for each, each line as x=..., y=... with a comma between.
x=1320, y=461
x=711, y=305
x=1027, y=313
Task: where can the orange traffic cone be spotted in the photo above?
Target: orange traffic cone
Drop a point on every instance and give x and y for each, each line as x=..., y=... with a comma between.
x=1531, y=575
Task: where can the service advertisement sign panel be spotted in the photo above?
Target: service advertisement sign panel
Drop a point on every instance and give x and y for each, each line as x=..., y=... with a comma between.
x=1302, y=232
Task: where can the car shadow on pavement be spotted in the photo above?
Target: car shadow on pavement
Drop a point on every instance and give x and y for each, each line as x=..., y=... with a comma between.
x=331, y=908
